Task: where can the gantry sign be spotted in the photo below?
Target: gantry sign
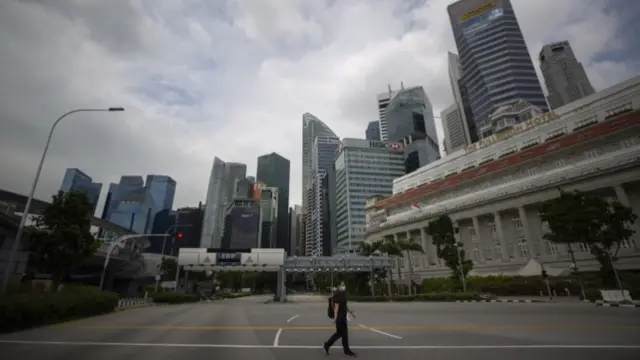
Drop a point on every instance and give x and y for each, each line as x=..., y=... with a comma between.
x=273, y=260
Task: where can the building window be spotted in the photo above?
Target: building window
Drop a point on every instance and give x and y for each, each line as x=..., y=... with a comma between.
x=533, y=171
x=627, y=143
x=523, y=245
x=552, y=248
x=517, y=223
x=560, y=163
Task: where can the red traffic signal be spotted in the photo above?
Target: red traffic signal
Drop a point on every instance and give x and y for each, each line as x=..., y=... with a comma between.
x=179, y=235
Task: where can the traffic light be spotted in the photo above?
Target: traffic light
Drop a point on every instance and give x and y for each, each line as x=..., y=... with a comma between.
x=179, y=235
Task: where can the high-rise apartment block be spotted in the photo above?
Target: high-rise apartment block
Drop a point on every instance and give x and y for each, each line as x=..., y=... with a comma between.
x=494, y=60
x=563, y=74
x=220, y=194
x=364, y=168
x=74, y=179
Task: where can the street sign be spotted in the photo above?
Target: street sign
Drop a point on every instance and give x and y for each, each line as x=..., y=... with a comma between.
x=249, y=260
x=207, y=260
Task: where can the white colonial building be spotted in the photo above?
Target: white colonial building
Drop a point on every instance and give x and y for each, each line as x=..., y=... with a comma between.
x=493, y=189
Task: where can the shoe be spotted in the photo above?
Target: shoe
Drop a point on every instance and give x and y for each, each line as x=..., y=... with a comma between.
x=326, y=348
x=352, y=354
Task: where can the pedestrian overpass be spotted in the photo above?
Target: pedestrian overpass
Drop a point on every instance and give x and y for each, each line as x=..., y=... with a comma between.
x=275, y=260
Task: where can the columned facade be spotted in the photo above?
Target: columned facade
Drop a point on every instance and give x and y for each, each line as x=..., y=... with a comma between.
x=502, y=237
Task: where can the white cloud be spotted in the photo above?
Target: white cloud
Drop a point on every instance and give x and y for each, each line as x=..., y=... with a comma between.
x=232, y=78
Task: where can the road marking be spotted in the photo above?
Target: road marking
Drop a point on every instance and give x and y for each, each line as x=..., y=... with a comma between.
x=591, y=326
x=277, y=338
x=292, y=318
x=391, y=347
x=380, y=332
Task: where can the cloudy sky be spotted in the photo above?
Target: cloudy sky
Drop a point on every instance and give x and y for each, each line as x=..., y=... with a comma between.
x=232, y=78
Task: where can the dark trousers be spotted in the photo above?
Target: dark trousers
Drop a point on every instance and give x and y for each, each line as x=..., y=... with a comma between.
x=342, y=332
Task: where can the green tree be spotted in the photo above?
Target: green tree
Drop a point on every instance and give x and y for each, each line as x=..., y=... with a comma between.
x=61, y=240
x=577, y=217
x=442, y=232
x=168, y=268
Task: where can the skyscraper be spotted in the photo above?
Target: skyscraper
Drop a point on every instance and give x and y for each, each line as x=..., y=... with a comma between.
x=410, y=121
x=269, y=216
x=563, y=74
x=453, y=128
x=460, y=126
x=364, y=168
x=311, y=127
x=320, y=222
x=383, y=102
x=242, y=224
x=220, y=193
x=74, y=179
x=274, y=171
x=162, y=190
x=373, y=131
x=496, y=66
x=131, y=208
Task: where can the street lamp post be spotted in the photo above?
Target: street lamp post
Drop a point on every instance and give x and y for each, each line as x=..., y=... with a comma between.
x=27, y=206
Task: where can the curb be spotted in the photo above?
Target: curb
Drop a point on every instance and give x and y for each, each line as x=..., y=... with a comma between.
x=618, y=305
x=502, y=301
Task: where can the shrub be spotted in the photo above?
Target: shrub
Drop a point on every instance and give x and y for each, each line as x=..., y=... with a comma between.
x=226, y=295
x=173, y=298
x=27, y=310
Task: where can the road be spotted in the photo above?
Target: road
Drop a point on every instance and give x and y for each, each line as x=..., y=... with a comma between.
x=249, y=329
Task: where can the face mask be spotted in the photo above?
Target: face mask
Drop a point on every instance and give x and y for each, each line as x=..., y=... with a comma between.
x=342, y=287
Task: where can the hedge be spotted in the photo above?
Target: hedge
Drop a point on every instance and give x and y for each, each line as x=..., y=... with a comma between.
x=529, y=285
x=440, y=296
x=20, y=311
x=227, y=295
x=173, y=298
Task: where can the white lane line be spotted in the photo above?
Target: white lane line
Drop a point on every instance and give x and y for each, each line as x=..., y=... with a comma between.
x=277, y=338
x=293, y=318
x=239, y=346
x=380, y=332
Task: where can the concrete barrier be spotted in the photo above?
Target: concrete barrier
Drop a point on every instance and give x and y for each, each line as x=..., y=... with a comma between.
x=616, y=296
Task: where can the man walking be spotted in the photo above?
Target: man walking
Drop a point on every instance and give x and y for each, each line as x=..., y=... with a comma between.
x=340, y=311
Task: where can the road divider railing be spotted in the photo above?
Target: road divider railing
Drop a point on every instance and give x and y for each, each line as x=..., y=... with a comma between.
x=134, y=302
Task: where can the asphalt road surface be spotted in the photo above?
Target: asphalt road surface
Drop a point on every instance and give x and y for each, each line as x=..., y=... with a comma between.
x=249, y=329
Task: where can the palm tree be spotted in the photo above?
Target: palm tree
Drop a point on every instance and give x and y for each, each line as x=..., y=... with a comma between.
x=410, y=245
